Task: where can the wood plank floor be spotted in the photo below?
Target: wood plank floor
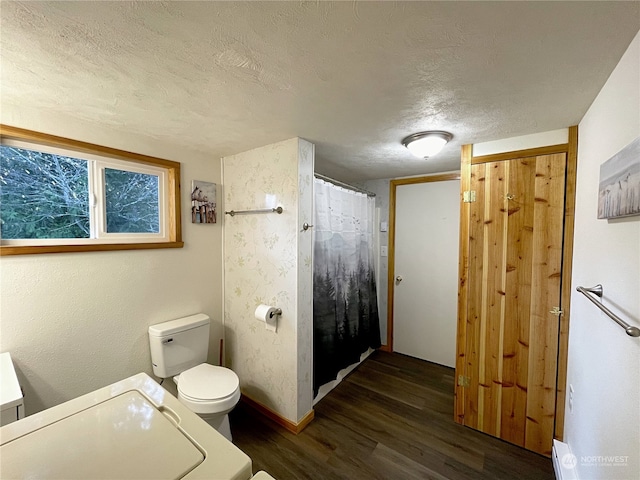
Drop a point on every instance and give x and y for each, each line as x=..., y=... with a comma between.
x=392, y=418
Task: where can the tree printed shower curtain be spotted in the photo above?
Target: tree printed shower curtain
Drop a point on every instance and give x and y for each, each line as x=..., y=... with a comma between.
x=345, y=307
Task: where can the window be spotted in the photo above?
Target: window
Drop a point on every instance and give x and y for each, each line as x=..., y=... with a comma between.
x=62, y=195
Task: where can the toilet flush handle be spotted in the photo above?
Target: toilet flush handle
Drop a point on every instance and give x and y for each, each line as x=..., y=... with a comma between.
x=168, y=340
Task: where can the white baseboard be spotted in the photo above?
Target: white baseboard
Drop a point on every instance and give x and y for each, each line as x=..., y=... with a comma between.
x=564, y=462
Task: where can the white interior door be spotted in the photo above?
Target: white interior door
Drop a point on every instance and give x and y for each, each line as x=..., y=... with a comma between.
x=426, y=270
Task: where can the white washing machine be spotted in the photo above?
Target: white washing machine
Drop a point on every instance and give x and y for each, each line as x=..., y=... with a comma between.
x=11, y=402
x=133, y=429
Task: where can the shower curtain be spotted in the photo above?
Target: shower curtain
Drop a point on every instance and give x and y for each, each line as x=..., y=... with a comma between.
x=345, y=308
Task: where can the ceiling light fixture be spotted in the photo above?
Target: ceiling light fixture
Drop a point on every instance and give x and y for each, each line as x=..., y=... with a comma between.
x=426, y=144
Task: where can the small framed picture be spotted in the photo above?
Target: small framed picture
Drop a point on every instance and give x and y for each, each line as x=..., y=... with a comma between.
x=203, y=202
x=619, y=190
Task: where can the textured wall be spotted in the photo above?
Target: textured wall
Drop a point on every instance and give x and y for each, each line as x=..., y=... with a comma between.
x=264, y=256
x=75, y=322
x=603, y=360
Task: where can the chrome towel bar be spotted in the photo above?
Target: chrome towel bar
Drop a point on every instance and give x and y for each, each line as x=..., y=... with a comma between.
x=597, y=290
x=277, y=210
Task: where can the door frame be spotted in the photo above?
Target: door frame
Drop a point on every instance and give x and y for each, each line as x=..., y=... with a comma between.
x=393, y=184
x=467, y=160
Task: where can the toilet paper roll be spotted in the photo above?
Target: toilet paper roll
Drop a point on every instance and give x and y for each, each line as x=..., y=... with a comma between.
x=268, y=315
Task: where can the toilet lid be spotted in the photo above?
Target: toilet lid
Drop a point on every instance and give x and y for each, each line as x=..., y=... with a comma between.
x=208, y=382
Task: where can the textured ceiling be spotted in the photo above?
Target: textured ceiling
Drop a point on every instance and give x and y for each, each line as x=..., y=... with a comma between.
x=354, y=78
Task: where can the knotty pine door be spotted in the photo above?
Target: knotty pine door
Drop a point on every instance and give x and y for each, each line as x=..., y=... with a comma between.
x=510, y=345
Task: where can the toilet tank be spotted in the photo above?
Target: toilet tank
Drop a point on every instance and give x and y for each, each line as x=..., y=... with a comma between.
x=178, y=345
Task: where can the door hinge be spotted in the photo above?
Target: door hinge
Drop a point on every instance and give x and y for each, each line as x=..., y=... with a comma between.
x=463, y=381
x=556, y=311
x=469, y=196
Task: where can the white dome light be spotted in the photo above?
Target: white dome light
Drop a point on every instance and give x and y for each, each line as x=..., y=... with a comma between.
x=426, y=144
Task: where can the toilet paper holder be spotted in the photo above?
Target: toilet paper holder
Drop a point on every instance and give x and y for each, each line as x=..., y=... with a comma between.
x=268, y=314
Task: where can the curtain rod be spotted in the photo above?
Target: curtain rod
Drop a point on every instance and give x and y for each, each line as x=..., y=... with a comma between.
x=345, y=185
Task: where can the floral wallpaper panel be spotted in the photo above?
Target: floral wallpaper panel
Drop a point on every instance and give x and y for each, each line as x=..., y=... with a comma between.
x=305, y=277
x=261, y=265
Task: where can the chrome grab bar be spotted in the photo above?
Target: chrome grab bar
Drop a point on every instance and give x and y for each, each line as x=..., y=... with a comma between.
x=598, y=290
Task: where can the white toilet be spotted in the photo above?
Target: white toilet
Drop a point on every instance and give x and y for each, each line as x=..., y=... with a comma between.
x=179, y=349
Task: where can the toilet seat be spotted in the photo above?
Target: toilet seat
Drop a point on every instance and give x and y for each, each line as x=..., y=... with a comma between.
x=208, y=389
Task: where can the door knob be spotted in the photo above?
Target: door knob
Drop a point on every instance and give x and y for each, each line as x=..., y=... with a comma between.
x=398, y=278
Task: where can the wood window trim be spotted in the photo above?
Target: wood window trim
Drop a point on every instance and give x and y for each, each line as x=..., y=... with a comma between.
x=174, y=225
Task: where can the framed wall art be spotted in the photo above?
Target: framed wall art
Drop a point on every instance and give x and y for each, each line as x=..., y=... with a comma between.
x=203, y=202
x=619, y=190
